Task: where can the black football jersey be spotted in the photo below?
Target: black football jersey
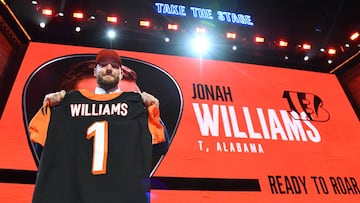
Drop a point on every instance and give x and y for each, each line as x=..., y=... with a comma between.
x=97, y=148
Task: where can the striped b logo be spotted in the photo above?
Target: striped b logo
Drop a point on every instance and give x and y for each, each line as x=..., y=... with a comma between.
x=307, y=104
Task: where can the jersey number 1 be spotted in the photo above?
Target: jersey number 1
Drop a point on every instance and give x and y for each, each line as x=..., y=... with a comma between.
x=99, y=130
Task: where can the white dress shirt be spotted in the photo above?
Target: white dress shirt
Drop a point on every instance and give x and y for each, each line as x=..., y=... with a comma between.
x=99, y=90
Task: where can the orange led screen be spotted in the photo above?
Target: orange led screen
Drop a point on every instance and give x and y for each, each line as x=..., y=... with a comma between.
x=238, y=132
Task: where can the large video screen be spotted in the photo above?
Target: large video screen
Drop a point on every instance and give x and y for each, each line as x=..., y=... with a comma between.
x=238, y=132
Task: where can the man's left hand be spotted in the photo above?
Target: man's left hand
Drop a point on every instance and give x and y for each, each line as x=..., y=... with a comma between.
x=149, y=99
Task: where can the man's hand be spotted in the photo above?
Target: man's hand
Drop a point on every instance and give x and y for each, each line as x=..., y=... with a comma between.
x=54, y=98
x=149, y=99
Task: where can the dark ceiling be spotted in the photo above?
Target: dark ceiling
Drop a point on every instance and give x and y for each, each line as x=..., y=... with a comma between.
x=323, y=24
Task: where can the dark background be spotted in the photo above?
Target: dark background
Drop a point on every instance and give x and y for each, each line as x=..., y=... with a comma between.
x=323, y=24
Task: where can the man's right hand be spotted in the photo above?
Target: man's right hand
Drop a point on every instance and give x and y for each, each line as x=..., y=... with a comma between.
x=54, y=98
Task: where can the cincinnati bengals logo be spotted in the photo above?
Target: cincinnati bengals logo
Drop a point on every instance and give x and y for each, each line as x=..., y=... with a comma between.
x=308, y=105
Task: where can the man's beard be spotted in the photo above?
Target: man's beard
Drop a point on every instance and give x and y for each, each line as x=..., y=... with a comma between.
x=107, y=84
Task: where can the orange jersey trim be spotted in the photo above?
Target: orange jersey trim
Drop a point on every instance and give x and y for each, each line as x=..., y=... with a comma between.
x=155, y=127
x=38, y=126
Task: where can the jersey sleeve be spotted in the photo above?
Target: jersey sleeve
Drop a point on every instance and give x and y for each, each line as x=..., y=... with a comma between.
x=38, y=126
x=155, y=127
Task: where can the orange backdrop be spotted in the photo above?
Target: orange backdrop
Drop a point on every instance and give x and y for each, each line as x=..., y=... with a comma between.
x=238, y=122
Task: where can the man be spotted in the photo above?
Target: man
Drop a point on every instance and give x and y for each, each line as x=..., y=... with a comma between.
x=81, y=76
x=97, y=147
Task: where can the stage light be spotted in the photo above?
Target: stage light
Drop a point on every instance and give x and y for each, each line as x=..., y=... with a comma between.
x=173, y=27
x=200, y=44
x=306, y=46
x=47, y=12
x=78, y=15
x=331, y=51
x=306, y=58
x=144, y=23
x=330, y=61
x=166, y=39
x=112, y=19
x=347, y=45
x=286, y=57
x=77, y=29
x=354, y=36
x=61, y=14
x=322, y=49
x=200, y=30
x=92, y=17
x=42, y=24
x=342, y=49
x=234, y=47
x=111, y=34
x=231, y=35
x=283, y=43
x=259, y=39
x=34, y=2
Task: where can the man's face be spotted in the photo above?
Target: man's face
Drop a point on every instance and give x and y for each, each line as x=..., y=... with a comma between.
x=108, y=73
